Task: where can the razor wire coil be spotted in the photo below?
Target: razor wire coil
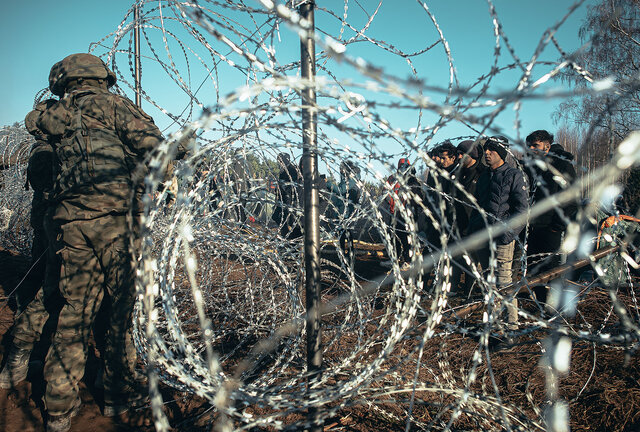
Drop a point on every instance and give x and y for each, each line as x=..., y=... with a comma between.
x=220, y=310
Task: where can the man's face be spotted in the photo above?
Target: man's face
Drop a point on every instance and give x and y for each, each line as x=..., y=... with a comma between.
x=447, y=159
x=492, y=158
x=540, y=147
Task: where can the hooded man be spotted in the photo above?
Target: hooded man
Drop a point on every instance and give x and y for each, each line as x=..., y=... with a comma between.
x=554, y=174
x=471, y=166
x=344, y=197
x=289, y=192
x=468, y=170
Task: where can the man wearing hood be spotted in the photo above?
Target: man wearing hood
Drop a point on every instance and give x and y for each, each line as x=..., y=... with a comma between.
x=344, y=198
x=289, y=192
x=552, y=172
x=470, y=167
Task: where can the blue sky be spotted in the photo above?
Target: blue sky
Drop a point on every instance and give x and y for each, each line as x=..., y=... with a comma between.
x=38, y=33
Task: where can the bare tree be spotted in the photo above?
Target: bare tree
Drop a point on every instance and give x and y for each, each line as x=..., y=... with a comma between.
x=611, y=33
x=591, y=150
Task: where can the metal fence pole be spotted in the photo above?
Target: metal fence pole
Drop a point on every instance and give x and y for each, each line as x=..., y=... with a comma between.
x=136, y=40
x=311, y=206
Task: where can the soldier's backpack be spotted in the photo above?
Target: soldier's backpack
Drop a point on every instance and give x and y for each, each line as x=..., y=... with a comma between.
x=89, y=156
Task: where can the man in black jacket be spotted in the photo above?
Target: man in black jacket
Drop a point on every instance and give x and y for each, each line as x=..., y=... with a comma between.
x=289, y=191
x=552, y=176
x=502, y=193
x=469, y=169
x=445, y=201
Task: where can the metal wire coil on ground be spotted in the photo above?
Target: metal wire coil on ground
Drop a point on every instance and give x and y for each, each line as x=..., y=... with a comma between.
x=221, y=305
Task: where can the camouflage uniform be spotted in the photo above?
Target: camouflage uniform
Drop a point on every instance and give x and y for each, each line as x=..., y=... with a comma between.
x=31, y=300
x=103, y=136
x=34, y=312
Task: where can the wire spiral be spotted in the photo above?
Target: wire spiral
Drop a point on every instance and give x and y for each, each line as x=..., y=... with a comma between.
x=220, y=311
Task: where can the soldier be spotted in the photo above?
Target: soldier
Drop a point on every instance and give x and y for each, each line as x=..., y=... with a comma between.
x=33, y=312
x=102, y=139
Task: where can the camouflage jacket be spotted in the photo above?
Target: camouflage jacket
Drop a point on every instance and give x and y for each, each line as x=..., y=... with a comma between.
x=40, y=178
x=40, y=166
x=100, y=139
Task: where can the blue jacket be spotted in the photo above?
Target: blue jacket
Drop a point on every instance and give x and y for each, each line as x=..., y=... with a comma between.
x=502, y=193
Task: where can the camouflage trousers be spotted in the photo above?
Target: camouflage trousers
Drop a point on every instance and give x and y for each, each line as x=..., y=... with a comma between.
x=39, y=298
x=95, y=261
x=35, y=278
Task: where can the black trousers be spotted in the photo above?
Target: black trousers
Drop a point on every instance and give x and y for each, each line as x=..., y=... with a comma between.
x=544, y=243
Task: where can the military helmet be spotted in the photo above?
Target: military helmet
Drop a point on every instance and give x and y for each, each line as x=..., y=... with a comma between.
x=78, y=66
x=31, y=120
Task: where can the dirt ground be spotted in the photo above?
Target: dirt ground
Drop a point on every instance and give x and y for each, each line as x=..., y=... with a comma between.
x=603, y=387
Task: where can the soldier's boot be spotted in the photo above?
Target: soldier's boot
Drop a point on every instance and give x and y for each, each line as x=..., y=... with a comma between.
x=62, y=423
x=16, y=368
x=137, y=399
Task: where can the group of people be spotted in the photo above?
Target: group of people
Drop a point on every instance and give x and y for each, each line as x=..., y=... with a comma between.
x=480, y=184
x=472, y=186
x=84, y=169
x=339, y=198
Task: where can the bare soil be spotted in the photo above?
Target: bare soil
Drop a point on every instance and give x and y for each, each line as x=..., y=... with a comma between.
x=602, y=388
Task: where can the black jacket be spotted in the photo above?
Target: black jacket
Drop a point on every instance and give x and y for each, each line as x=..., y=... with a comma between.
x=543, y=183
x=289, y=194
x=468, y=178
x=410, y=184
x=502, y=193
x=456, y=218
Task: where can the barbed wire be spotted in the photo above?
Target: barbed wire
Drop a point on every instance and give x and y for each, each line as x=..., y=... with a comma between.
x=220, y=311
x=15, y=198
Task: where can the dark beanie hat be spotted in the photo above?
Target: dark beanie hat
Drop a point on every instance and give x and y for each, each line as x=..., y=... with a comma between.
x=468, y=147
x=498, y=144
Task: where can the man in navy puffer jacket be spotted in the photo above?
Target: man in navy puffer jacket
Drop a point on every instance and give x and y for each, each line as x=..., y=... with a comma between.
x=502, y=192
